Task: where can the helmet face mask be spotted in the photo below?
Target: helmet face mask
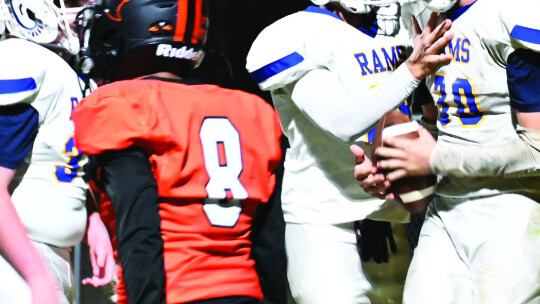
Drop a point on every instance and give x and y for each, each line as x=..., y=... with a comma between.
x=129, y=39
x=440, y=6
x=357, y=6
x=42, y=21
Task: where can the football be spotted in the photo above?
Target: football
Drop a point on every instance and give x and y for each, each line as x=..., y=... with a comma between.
x=415, y=192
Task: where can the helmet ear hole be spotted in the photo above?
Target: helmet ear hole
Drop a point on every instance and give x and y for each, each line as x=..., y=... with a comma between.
x=30, y=15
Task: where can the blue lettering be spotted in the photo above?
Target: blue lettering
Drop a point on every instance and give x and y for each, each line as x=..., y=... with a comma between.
x=391, y=62
x=362, y=60
x=455, y=49
x=377, y=65
x=465, y=49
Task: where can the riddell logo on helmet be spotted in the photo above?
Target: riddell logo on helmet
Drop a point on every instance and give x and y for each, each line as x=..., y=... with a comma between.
x=166, y=50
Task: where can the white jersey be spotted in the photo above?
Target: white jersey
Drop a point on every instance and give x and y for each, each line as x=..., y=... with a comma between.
x=305, y=47
x=471, y=92
x=48, y=190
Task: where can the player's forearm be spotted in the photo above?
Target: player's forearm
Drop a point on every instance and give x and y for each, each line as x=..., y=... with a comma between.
x=129, y=183
x=15, y=246
x=389, y=94
x=348, y=114
x=518, y=158
x=95, y=229
x=92, y=210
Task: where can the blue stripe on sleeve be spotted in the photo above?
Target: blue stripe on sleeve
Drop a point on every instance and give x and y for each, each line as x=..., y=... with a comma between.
x=277, y=67
x=19, y=125
x=523, y=74
x=526, y=34
x=10, y=86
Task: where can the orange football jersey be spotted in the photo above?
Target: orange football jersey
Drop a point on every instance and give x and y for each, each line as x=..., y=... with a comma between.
x=213, y=152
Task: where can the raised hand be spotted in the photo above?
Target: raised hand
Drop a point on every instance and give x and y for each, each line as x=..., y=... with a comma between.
x=426, y=57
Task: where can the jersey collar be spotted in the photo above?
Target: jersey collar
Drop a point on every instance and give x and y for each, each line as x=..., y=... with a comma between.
x=454, y=14
x=183, y=80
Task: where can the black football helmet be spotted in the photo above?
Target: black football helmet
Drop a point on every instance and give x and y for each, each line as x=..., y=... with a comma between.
x=124, y=39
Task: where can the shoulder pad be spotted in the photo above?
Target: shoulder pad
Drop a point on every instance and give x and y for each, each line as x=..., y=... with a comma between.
x=278, y=55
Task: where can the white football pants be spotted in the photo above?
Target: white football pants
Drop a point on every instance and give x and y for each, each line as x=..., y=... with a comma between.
x=324, y=267
x=476, y=251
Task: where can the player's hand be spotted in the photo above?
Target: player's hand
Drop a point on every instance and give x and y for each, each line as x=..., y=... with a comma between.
x=101, y=253
x=367, y=177
x=406, y=157
x=426, y=57
x=373, y=238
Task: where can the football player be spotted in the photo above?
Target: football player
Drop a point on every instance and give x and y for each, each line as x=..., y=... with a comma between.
x=184, y=164
x=487, y=156
x=332, y=73
x=40, y=165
